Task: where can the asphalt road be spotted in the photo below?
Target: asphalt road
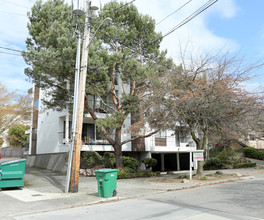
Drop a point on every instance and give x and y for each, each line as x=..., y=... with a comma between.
x=240, y=200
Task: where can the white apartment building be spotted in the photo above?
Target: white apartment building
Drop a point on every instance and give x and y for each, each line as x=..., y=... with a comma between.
x=50, y=135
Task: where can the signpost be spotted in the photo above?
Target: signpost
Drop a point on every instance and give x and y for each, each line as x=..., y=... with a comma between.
x=196, y=155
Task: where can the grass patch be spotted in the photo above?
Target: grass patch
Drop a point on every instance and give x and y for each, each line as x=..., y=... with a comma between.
x=204, y=178
x=183, y=177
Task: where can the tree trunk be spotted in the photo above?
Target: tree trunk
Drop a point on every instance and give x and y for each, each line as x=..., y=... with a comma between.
x=203, y=147
x=118, y=149
x=200, y=168
x=138, y=144
x=118, y=157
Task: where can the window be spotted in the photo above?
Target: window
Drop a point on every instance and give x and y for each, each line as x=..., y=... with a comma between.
x=160, y=138
x=182, y=135
x=88, y=133
x=99, y=136
x=161, y=134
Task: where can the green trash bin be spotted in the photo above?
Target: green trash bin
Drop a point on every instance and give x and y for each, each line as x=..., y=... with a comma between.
x=106, y=179
x=12, y=173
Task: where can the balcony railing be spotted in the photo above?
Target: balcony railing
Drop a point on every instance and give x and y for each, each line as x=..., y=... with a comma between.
x=100, y=107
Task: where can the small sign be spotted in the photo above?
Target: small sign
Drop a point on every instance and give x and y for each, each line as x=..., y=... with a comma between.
x=198, y=156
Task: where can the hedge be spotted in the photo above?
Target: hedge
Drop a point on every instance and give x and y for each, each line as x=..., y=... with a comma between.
x=131, y=163
x=125, y=175
x=244, y=165
x=213, y=163
x=253, y=153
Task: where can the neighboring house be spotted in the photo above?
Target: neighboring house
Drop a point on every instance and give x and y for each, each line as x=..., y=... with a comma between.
x=50, y=134
x=254, y=140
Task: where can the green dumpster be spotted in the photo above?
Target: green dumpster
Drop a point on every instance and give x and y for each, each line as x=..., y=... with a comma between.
x=12, y=173
x=106, y=179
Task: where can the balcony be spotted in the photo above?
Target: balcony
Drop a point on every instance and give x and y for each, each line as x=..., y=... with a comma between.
x=101, y=107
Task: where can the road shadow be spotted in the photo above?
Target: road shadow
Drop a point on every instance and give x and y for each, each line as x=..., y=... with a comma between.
x=56, y=179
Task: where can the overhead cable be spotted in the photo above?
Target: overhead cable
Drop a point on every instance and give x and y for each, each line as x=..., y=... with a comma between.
x=188, y=19
x=22, y=6
x=6, y=12
x=192, y=16
x=6, y=48
x=173, y=12
x=11, y=53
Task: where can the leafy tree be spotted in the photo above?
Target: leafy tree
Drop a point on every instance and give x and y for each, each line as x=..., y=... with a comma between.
x=122, y=53
x=17, y=136
x=206, y=96
x=50, y=54
x=13, y=106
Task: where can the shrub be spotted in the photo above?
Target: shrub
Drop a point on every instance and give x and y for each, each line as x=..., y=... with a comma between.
x=218, y=172
x=250, y=152
x=214, y=151
x=203, y=178
x=92, y=159
x=128, y=170
x=124, y=175
x=131, y=163
x=253, y=153
x=244, y=165
x=224, y=155
x=109, y=160
x=183, y=176
x=213, y=163
x=150, y=162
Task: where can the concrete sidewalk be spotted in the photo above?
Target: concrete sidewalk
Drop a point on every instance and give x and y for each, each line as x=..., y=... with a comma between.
x=44, y=190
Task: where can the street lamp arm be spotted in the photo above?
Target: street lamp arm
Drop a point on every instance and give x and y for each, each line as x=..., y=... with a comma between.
x=105, y=21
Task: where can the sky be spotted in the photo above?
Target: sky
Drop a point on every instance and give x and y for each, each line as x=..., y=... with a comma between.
x=233, y=25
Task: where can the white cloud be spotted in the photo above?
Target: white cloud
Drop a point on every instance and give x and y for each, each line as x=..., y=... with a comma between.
x=227, y=8
x=13, y=33
x=13, y=30
x=194, y=33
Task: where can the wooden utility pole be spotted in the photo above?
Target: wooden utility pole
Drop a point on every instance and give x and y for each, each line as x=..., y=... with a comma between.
x=74, y=178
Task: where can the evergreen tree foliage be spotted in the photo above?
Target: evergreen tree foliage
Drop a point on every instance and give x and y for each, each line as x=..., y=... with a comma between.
x=125, y=53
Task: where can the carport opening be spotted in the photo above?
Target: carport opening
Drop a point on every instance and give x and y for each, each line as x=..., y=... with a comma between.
x=170, y=161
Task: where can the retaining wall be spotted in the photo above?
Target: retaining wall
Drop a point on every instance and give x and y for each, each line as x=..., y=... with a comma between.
x=55, y=162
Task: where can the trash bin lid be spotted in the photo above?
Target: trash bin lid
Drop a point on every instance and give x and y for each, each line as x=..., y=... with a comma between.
x=106, y=170
x=8, y=161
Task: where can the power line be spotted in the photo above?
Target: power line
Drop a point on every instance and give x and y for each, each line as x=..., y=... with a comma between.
x=188, y=19
x=173, y=12
x=192, y=16
x=6, y=48
x=6, y=12
x=36, y=55
x=22, y=6
x=11, y=54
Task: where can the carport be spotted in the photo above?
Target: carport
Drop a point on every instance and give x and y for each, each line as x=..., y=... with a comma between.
x=175, y=160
